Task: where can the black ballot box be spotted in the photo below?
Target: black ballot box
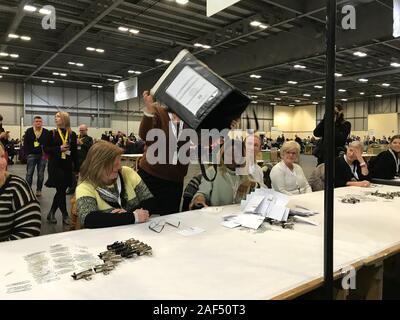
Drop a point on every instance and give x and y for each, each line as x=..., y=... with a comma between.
x=199, y=96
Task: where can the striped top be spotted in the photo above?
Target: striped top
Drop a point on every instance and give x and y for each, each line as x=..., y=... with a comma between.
x=19, y=210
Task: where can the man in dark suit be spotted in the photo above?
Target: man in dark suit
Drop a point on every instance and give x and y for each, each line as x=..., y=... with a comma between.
x=83, y=143
x=36, y=139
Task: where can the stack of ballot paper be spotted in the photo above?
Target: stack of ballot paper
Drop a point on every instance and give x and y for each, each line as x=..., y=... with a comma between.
x=252, y=221
x=267, y=203
x=273, y=205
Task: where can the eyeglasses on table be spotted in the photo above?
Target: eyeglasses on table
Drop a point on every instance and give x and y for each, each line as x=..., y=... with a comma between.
x=158, y=226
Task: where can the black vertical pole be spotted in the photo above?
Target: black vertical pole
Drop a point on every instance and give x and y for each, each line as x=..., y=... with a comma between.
x=329, y=136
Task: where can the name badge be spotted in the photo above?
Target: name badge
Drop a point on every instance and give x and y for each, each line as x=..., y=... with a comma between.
x=63, y=155
x=36, y=144
x=79, y=147
x=68, y=152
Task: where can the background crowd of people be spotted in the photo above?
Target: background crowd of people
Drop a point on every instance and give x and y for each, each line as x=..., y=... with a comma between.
x=109, y=194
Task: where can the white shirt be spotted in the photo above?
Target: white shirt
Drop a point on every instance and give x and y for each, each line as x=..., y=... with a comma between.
x=287, y=181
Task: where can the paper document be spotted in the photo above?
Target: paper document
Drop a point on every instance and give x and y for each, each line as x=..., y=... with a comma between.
x=248, y=220
x=191, y=231
x=191, y=90
x=306, y=220
x=230, y=224
x=277, y=212
x=253, y=203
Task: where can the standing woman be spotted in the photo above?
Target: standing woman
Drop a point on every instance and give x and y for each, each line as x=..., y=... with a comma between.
x=63, y=162
x=342, y=131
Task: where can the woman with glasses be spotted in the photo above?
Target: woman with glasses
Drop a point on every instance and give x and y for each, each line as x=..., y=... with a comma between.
x=351, y=169
x=287, y=176
x=229, y=186
x=109, y=194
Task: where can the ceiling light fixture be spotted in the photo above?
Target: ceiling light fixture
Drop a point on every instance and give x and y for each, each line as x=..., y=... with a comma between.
x=30, y=8
x=360, y=54
x=299, y=66
x=338, y=74
x=256, y=76
x=362, y=93
x=307, y=95
x=378, y=95
x=257, y=88
x=363, y=80
x=386, y=85
x=318, y=87
x=25, y=38
x=255, y=23
x=282, y=92
x=5, y=68
x=134, y=31
x=45, y=11
x=123, y=29
x=395, y=64
x=13, y=36
x=292, y=82
x=342, y=90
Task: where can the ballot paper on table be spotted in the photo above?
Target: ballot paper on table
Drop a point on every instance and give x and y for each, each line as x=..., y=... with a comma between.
x=191, y=231
x=253, y=203
x=249, y=220
x=305, y=220
x=301, y=211
x=267, y=203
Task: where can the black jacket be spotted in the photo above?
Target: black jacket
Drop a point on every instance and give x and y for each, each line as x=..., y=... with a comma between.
x=342, y=131
x=60, y=170
x=30, y=138
x=83, y=149
x=383, y=166
x=344, y=174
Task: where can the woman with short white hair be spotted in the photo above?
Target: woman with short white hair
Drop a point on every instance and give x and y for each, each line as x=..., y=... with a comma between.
x=288, y=177
x=351, y=169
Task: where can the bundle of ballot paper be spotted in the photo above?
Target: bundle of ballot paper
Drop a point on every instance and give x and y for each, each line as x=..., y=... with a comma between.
x=266, y=204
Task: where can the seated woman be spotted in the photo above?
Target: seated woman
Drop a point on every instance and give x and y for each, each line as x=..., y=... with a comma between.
x=228, y=187
x=19, y=208
x=386, y=165
x=110, y=195
x=351, y=169
x=288, y=177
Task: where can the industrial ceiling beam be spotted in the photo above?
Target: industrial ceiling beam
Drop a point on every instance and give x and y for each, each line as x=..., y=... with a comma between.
x=19, y=15
x=115, y=4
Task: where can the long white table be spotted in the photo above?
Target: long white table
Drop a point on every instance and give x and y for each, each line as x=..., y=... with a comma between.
x=219, y=263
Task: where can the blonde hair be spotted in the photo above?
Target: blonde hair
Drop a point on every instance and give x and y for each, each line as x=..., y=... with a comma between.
x=65, y=119
x=290, y=145
x=100, y=159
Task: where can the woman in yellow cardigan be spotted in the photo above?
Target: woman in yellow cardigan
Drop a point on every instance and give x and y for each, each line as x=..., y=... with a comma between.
x=108, y=194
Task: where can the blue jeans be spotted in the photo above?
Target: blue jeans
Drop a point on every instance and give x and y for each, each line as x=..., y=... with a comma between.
x=35, y=160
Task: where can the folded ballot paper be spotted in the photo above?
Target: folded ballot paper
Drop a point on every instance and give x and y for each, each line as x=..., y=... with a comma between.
x=200, y=97
x=267, y=203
